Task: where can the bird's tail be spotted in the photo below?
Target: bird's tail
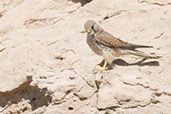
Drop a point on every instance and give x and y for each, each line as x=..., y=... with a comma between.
x=134, y=46
x=142, y=54
x=142, y=46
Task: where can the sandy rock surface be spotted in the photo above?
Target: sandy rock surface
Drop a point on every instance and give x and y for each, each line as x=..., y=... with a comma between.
x=47, y=67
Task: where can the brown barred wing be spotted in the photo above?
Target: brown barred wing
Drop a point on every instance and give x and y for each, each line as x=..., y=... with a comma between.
x=110, y=41
x=113, y=42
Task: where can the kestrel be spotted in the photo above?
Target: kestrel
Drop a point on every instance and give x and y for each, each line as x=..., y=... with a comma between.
x=108, y=46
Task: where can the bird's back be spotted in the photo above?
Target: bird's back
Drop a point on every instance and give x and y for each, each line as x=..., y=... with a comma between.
x=109, y=40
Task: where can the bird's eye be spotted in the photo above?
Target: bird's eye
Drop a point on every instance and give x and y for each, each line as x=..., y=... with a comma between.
x=93, y=28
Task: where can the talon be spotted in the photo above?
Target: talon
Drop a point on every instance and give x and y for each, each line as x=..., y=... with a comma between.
x=102, y=68
x=99, y=68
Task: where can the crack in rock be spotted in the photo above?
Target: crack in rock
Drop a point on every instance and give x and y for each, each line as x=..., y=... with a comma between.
x=161, y=34
x=152, y=101
x=62, y=99
x=113, y=14
x=74, y=10
x=157, y=37
x=34, y=23
x=88, y=82
x=82, y=98
x=153, y=2
x=156, y=92
x=2, y=13
x=139, y=84
x=2, y=49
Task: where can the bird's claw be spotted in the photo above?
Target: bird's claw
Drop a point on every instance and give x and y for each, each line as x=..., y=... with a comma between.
x=99, y=68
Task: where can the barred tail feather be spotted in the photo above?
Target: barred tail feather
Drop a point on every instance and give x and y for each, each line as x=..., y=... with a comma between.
x=142, y=46
x=134, y=46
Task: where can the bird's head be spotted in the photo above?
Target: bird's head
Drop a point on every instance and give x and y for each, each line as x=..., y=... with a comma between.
x=91, y=27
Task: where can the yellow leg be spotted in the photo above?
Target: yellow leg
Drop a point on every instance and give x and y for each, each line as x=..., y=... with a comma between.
x=101, y=63
x=102, y=68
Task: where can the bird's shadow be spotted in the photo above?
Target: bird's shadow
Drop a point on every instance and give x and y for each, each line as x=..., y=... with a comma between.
x=82, y=2
x=121, y=62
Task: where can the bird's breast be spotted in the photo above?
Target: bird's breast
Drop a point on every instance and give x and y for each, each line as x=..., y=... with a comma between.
x=95, y=47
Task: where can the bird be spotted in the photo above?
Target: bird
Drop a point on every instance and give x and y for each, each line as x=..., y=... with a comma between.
x=109, y=47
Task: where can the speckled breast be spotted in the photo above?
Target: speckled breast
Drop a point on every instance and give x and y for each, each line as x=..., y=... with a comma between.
x=94, y=46
x=99, y=48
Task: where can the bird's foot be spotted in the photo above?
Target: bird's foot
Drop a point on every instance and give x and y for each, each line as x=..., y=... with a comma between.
x=99, y=68
x=101, y=63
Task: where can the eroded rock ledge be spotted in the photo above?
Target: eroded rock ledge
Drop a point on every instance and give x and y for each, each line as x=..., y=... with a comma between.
x=43, y=39
x=24, y=98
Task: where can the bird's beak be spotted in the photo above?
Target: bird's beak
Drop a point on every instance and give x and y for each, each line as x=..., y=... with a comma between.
x=88, y=31
x=83, y=31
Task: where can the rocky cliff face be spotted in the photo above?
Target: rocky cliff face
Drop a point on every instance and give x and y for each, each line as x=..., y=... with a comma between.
x=47, y=68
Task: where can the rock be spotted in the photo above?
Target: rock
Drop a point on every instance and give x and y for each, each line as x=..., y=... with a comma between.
x=43, y=40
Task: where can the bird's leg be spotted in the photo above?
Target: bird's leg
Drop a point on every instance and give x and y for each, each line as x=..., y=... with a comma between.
x=101, y=63
x=105, y=66
x=102, y=68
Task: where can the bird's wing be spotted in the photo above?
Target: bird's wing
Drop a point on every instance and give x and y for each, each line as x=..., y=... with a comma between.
x=111, y=41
